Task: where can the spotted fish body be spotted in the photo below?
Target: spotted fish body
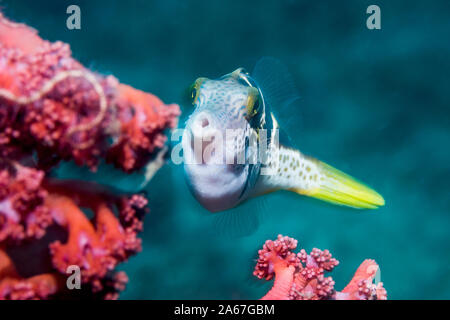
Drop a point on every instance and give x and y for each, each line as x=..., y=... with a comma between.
x=220, y=105
x=244, y=105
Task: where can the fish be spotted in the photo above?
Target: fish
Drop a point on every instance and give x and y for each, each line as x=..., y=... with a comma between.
x=219, y=150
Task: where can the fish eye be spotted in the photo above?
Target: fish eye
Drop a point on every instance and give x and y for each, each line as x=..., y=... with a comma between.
x=256, y=106
x=253, y=103
x=195, y=89
x=193, y=93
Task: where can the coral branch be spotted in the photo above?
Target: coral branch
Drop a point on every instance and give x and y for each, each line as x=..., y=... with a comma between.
x=13, y=287
x=301, y=276
x=51, y=104
x=22, y=214
x=53, y=109
x=29, y=205
x=49, y=86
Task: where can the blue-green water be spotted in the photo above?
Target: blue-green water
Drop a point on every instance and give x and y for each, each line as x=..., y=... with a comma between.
x=374, y=104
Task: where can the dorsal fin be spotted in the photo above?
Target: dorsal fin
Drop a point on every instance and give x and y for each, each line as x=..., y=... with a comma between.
x=284, y=139
x=279, y=91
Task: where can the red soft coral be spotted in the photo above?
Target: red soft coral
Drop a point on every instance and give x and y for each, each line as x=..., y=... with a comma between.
x=301, y=276
x=22, y=213
x=96, y=245
x=53, y=109
x=53, y=105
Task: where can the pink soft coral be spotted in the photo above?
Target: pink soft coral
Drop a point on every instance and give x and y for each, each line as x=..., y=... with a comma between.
x=53, y=109
x=301, y=276
x=53, y=105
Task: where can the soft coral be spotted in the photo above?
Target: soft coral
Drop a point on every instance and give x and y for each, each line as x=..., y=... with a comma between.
x=301, y=276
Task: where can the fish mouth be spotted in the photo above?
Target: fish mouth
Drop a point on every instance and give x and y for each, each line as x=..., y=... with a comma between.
x=199, y=145
x=201, y=141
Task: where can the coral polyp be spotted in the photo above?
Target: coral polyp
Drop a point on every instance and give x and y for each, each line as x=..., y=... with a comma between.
x=301, y=276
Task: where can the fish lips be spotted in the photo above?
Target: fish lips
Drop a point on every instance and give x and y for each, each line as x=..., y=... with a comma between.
x=201, y=141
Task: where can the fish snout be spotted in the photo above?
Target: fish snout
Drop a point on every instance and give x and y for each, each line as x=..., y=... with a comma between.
x=201, y=122
x=202, y=127
x=203, y=134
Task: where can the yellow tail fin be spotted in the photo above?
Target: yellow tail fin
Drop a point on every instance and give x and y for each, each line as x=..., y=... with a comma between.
x=311, y=177
x=336, y=187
